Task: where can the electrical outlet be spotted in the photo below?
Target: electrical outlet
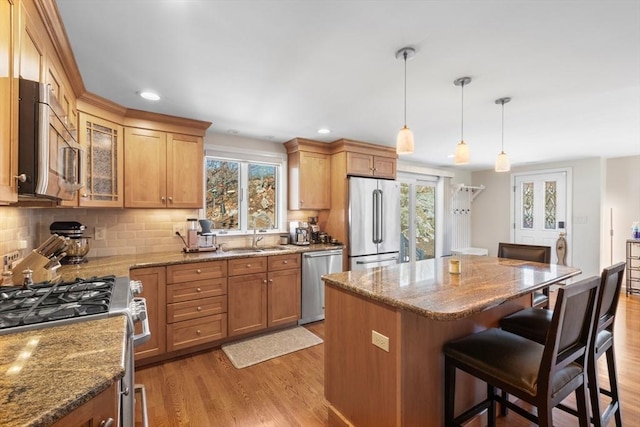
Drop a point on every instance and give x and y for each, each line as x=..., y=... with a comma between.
x=100, y=233
x=179, y=228
x=10, y=258
x=380, y=340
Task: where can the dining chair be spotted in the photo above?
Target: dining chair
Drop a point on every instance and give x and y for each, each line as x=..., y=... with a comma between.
x=534, y=253
x=534, y=324
x=542, y=375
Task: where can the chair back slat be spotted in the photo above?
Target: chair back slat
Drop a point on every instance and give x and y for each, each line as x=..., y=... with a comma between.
x=569, y=333
x=533, y=253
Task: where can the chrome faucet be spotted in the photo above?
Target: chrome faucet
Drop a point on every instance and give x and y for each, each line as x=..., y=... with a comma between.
x=256, y=239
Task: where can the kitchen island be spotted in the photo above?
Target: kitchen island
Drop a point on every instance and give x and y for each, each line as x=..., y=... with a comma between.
x=396, y=378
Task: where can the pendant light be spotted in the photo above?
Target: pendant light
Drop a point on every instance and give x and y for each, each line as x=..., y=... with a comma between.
x=502, y=161
x=404, y=141
x=462, y=149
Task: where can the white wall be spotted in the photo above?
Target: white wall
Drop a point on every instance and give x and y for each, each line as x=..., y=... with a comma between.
x=622, y=194
x=491, y=210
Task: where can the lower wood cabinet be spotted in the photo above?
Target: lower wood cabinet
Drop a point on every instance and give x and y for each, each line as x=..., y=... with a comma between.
x=95, y=413
x=261, y=300
x=153, y=290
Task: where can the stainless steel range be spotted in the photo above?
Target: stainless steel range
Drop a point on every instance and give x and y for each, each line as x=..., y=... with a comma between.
x=47, y=305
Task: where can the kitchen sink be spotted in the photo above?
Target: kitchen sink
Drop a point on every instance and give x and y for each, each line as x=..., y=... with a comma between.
x=252, y=250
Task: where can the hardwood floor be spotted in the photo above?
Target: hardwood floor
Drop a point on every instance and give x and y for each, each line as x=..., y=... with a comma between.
x=206, y=390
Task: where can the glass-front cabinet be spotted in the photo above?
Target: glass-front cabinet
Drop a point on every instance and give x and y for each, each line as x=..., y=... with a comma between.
x=102, y=141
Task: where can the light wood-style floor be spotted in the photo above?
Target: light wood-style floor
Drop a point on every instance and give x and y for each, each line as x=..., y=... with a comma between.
x=206, y=390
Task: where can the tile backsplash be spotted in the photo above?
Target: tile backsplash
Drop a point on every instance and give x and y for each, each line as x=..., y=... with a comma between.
x=127, y=231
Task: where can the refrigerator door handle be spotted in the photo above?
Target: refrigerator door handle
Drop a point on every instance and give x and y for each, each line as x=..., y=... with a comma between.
x=377, y=260
x=377, y=224
x=381, y=216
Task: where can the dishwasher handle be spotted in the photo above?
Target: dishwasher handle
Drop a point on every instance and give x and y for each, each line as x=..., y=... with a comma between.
x=318, y=254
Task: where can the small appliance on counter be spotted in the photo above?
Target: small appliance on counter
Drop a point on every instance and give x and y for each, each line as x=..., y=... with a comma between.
x=299, y=231
x=78, y=244
x=199, y=241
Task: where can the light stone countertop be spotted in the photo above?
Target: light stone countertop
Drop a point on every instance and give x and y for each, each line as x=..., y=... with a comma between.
x=47, y=373
x=428, y=289
x=121, y=264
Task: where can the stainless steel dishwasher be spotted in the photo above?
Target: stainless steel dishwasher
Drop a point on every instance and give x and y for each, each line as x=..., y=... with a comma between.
x=314, y=265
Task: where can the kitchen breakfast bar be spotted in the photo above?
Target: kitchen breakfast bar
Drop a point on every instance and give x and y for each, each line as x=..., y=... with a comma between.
x=416, y=308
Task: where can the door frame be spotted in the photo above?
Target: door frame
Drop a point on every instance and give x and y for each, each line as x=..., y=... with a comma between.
x=568, y=227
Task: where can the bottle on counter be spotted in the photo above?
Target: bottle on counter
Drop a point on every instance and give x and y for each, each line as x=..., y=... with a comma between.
x=635, y=231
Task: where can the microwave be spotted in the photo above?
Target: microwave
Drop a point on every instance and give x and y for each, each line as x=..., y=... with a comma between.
x=50, y=160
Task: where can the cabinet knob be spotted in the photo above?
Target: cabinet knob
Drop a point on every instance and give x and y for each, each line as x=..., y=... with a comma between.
x=270, y=280
x=248, y=265
x=171, y=199
x=107, y=423
x=198, y=332
x=264, y=281
x=163, y=199
x=301, y=202
x=199, y=308
x=285, y=262
x=198, y=271
x=198, y=290
x=22, y=177
x=85, y=195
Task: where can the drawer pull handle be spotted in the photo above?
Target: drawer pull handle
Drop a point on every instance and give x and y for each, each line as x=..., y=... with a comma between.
x=198, y=332
x=198, y=271
x=198, y=290
x=199, y=308
x=248, y=265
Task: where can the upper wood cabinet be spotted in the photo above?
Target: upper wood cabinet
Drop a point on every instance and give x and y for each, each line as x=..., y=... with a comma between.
x=309, y=164
x=8, y=101
x=369, y=165
x=103, y=172
x=162, y=169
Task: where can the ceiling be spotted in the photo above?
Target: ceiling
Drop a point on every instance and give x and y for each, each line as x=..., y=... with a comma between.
x=278, y=69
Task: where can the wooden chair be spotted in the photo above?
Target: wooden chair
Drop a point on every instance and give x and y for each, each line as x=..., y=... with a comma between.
x=534, y=324
x=540, y=375
x=533, y=253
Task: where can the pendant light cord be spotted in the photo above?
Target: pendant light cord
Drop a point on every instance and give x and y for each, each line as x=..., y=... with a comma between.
x=405, y=88
x=502, y=145
x=462, y=112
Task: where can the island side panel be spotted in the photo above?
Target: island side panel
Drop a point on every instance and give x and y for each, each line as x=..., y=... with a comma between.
x=362, y=381
x=422, y=363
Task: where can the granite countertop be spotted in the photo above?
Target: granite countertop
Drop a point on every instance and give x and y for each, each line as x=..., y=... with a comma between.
x=120, y=265
x=47, y=373
x=428, y=289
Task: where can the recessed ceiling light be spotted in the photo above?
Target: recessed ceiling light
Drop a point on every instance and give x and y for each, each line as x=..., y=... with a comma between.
x=151, y=96
x=324, y=130
x=451, y=156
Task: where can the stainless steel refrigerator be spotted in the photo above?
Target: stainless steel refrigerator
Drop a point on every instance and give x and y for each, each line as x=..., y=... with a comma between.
x=374, y=222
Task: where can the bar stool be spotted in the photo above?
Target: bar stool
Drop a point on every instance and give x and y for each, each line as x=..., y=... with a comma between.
x=533, y=253
x=541, y=375
x=534, y=324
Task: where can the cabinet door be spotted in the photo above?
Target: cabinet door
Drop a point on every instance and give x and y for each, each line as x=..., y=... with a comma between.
x=8, y=103
x=314, y=189
x=145, y=168
x=185, y=168
x=384, y=167
x=153, y=289
x=96, y=412
x=247, y=304
x=283, y=297
x=359, y=164
x=103, y=142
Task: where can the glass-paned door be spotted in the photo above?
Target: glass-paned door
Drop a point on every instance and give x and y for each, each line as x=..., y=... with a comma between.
x=417, y=220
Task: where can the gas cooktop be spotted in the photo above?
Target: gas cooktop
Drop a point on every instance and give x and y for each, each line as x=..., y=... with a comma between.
x=54, y=304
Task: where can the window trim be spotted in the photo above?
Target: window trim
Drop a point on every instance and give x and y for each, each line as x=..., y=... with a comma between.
x=244, y=157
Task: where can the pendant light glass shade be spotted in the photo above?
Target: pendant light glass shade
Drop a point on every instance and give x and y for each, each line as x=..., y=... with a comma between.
x=462, y=156
x=462, y=153
x=502, y=161
x=404, y=140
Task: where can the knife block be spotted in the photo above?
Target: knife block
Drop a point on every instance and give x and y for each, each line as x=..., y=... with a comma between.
x=35, y=262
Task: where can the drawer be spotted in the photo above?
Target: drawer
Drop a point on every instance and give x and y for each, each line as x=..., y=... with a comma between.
x=198, y=331
x=196, y=290
x=197, y=308
x=196, y=271
x=251, y=265
x=284, y=262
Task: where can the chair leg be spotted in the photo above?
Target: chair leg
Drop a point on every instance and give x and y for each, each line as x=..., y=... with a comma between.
x=594, y=392
x=583, y=408
x=545, y=416
x=449, y=391
x=613, y=384
x=503, y=408
x=491, y=392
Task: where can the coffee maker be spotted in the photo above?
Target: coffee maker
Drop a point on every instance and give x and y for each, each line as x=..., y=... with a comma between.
x=314, y=229
x=299, y=233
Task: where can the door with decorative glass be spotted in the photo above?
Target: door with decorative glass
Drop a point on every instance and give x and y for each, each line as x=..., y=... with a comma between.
x=540, y=209
x=417, y=220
